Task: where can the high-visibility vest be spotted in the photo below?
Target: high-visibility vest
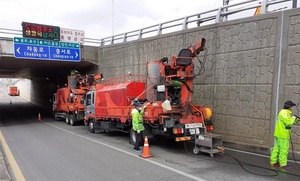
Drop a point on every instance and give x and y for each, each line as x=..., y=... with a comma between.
x=283, y=124
x=137, y=119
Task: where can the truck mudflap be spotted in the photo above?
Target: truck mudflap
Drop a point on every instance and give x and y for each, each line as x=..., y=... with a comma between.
x=80, y=116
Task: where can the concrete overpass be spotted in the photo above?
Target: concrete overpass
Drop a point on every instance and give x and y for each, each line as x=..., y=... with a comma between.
x=11, y=67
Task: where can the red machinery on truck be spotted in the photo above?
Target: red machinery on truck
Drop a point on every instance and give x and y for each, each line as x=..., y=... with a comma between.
x=68, y=101
x=167, y=86
x=13, y=91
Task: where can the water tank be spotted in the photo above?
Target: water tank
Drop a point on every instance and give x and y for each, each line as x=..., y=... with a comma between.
x=153, y=79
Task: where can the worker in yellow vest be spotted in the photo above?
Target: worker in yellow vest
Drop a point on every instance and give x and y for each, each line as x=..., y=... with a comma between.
x=138, y=125
x=282, y=135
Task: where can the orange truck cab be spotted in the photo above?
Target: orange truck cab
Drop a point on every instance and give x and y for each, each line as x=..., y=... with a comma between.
x=13, y=91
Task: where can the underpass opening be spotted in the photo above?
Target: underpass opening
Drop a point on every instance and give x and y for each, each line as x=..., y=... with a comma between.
x=37, y=80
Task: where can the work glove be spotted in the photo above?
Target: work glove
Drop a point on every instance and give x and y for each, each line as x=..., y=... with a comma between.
x=138, y=131
x=297, y=119
x=147, y=104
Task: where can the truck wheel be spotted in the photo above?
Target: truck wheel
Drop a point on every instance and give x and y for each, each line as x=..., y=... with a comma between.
x=196, y=150
x=73, y=120
x=68, y=119
x=55, y=116
x=91, y=126
x=132, y=137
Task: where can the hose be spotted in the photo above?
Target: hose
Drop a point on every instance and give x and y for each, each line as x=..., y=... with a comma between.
x=294, y=158
x=202, y=116
x=202, y=63
x=243, y=165
x=187, y=86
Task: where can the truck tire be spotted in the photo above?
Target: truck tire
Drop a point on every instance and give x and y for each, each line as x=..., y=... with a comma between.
x=56, y=117
x=91, y=126
x=73, y=120
x=67, y=118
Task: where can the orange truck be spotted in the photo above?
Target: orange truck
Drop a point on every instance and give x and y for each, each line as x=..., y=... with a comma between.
x=167, y=86
x=13, y=91
x=68, y=103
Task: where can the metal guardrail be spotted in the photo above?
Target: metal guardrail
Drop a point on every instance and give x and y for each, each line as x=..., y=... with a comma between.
x=221, y=14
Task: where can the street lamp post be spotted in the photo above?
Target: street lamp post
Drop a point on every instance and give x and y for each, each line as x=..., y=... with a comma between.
x=294, y=3
x=113, y=18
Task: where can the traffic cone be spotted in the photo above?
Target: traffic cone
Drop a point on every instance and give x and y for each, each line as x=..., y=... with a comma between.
x=146, y=150
x=39, y=117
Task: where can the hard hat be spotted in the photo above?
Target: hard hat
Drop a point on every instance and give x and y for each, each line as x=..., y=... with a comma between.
x=137, y=104
x=289, y=103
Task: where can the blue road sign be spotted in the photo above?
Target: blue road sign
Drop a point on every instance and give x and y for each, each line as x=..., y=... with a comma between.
x=46, y=50
x=31, y=51
x=66, y=54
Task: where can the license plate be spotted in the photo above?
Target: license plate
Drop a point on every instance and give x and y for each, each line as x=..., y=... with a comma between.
x=193, y=125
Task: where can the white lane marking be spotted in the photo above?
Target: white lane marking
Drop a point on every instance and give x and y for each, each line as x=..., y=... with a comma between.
x=128, y=153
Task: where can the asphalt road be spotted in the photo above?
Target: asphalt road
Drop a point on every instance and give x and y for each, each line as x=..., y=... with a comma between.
x=51, y=150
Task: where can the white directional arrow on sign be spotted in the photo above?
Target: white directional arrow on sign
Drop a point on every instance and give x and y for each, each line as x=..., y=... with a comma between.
x=18, y=50
x=76, y=54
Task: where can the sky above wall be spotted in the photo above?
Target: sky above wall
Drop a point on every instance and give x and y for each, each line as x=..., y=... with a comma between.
x=100, y=18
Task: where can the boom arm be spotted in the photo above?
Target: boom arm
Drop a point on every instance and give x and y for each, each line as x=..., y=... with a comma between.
x=181, y=68
x=198, y=47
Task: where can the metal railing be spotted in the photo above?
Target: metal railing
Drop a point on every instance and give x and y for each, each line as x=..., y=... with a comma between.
x=221, y=14
x=208, y=17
